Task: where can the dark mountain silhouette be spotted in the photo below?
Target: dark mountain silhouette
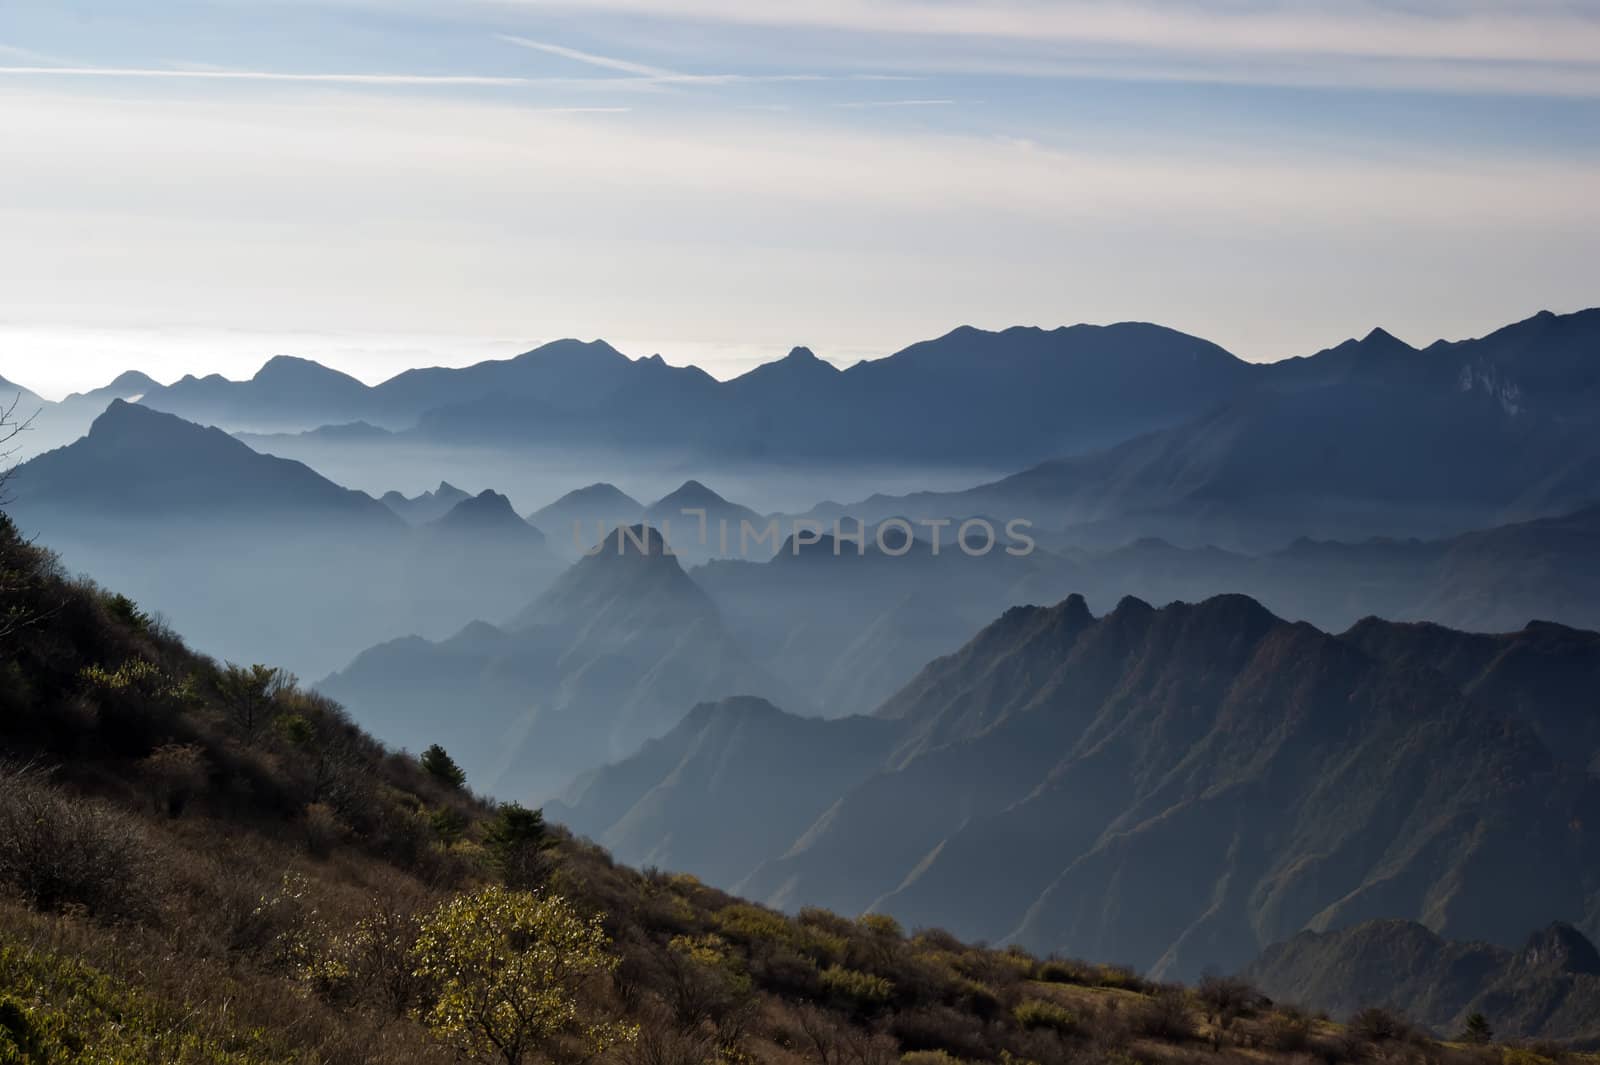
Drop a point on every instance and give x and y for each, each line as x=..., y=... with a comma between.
x=1547, y=989
x=429, y=506
x=1171, y=786
x=609, y=656
x=139, y=461
x=579, y=519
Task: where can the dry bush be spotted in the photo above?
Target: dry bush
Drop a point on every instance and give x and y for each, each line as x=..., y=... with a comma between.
x=176, y=773
x=1165, y=1015
x=1224, y=997
x=59, y=852
x=1378, y=1025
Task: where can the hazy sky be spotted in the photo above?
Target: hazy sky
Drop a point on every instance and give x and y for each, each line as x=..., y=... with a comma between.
x=195, y=185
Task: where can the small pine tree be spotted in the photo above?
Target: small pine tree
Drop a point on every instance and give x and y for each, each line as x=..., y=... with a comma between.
x=1477, y=1030
x=516, y=841
x=437, y=761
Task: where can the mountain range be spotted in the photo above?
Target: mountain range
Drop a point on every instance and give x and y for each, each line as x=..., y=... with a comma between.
x=612, y=653
x=1176, y=788
x=1548, y=989
x=262, y=554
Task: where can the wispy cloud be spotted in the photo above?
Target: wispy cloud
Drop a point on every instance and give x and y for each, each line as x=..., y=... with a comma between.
x=1494, y=32
x=267, y=75
x=602, y=61
x=895, y=103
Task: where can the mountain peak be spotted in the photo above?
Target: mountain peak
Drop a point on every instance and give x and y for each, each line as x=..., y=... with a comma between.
x=801, y=354
x=292, y=367
x=688, y=494
x=1559, y=947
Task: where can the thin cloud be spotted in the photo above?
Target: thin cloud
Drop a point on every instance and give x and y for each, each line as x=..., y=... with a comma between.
x=602, y=61
x=896, y=103
x=1523, y=33
x=268, y=75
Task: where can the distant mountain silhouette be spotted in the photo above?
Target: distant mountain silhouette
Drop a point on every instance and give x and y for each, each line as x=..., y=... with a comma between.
x=688, y=535
x=262, y=554
x=139, y=461
x=1547, y=989
x=124, y=386
x=612, y=654
x=10, y=391
x=487, y=516
x=1371, y=437
x=1013, y=398
x=1172, y=786
x=286, y=393
x=429, y=506
x=578, y=519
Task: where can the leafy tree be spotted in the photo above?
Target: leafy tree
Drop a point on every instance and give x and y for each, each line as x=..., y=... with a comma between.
x=516, y=840
x=437, y=761
x=508, y=967
x=1477, y=1030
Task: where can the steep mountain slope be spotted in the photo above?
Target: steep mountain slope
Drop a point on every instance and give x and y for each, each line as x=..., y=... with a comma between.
x=680, y=802
x=613, y=653
x=1547, y=989
x=1170, y=786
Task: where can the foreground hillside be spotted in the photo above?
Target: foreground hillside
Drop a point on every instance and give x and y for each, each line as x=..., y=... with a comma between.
x=204, y=863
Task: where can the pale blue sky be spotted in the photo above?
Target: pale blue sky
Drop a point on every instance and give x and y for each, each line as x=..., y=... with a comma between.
x=196, y=185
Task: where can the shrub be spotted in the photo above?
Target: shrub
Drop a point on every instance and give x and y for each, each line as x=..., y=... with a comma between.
x=507, y=966
x=176, y=773
x=1224, y=998
x=881, y=924
x=1165, y=1015
x=859, y=989
x=59, y=852
x=1036, y=1013
x=1287, y=1033
x=929, y=1057
x=1062, y=972
x=1377, y=1025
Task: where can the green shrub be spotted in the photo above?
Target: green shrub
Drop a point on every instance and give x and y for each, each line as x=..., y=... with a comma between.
x=1036, y=1013
x=881, y=924
x=54, y=1009
x=507, y=967
x=1062, y=972
x=929, y=1057
x=863, y=990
